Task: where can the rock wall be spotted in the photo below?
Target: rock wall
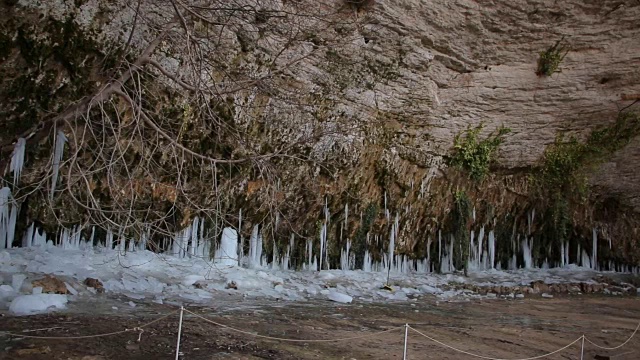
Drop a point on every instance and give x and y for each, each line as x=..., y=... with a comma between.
x=361, y=108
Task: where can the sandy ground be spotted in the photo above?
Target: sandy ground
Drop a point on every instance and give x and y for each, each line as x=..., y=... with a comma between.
x=494, y=328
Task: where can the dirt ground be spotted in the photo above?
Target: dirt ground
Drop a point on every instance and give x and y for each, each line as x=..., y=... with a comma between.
x=494, y=328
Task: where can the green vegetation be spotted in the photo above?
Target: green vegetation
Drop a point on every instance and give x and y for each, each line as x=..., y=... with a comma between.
x=566, y=163
x=561, y=181
x=550, y=59
x=474, y=155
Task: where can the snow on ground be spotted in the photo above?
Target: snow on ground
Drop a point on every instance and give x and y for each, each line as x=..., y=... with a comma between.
x=147, y=276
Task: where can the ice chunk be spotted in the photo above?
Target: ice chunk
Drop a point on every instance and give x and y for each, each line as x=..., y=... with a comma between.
x=192, y=279
x=37, y=303
x=37, y=290
x=5, y=257
x=339, y=297
x=16, y=281
x=72, y=291
x=428, y=289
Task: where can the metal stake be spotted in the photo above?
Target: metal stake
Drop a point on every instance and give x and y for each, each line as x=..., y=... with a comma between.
x=406, y=336
x=179, y=332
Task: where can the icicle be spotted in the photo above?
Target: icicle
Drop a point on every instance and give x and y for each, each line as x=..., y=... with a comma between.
x=28, y=236
x=17, y=159
x=594, y=258
x=254, y=254
x=392, y=242
x=142, y=245
x=309, y=253
x=131, y=246
x=367, y=264
x=527, y=244
x=472, y=255
x=241, y=249
x=562, y=257
x=287, y=264
x=327, y=215
x=428, y=259
x=481, y=260
x=492, y=249
x=193, y=247
x=109, y=240
x=275, y=258
x=440, y=246
x=344, y=257
x=451, y=267
x=57, y=157
x=323, y=245
x=228, y=250
x=586, y=260
x=346, y=214
x=93, y=236
x=259, y=258
x=11, y=224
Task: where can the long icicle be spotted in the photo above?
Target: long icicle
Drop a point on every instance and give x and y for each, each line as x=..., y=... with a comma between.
x=57, y=157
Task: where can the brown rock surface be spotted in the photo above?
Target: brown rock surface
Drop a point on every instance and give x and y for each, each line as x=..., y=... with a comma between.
x=51, y=285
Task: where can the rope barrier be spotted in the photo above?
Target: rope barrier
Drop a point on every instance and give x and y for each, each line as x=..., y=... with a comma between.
x=137, y=328
x=140, y=330
x=615, y=347
x=293, y=340
x=492, y=358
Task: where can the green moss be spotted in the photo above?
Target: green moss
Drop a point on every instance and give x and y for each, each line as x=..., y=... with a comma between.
x=475, y=155
x=550, y=60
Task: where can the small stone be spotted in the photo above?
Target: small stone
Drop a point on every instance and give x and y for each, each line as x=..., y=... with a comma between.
x=95, y=284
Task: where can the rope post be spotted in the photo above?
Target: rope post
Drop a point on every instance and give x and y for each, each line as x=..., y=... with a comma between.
x=179, y=332
x=406, y=336
x=582, y=349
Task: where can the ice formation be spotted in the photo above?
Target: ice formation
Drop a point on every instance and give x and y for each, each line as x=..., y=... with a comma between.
x=37, y=303
x=61, y=139
x=17, y=159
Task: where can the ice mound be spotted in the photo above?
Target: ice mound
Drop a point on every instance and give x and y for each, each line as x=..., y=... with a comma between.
x=37, y=303
x=339, y=297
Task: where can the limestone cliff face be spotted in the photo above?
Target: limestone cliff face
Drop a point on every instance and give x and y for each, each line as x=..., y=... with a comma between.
x=364, y=105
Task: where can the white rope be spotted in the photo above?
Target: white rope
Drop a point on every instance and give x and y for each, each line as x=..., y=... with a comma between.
x=293, y=340
x=615, y=347
x=492, y=358
x=137, y=328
